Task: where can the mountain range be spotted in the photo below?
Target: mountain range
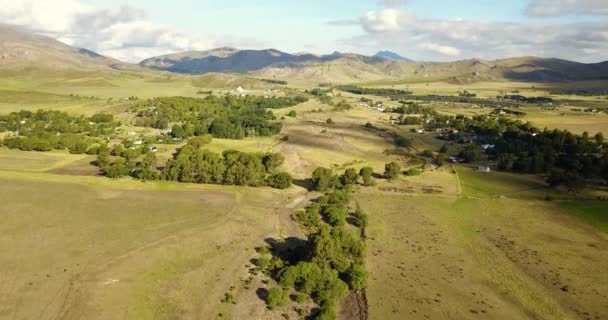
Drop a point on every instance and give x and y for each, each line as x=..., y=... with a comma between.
x=20, y=49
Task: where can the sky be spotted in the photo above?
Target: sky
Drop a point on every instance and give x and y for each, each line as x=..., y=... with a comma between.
x=423, y=30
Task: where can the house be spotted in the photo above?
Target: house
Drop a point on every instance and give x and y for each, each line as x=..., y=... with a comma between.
x=484, y=169
x=487, y=147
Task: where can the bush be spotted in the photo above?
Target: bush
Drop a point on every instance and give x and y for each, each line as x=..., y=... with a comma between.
x=200, y=141
x=262, y=262
x=403, y=141
x=329, y=121
x=350, y=176
x=301, y=297
x=366, y=174
x=392, y=170
x=415, y=172
x=281, y=180
x=360, y=218
x=277, y=297
x=323, y=179
x=292, y=113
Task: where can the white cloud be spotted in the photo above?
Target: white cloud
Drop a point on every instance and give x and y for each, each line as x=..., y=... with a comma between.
x=385, y=20
x=553, y=8
x=434, y=39
x=124, y=33
x=445, y=50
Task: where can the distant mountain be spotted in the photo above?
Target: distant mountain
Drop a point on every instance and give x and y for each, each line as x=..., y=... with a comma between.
x=23, y=49
x=391, y=56
x=226, y=60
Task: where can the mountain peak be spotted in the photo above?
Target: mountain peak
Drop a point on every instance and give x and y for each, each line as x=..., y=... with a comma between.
x=390, y=55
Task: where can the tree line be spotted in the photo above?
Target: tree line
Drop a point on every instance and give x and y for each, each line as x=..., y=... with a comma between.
x=229, y=116
x=194, y=164
x=331, y=263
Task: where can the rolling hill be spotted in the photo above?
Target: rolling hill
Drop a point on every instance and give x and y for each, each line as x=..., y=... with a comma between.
x=344, y=67
x=390, y=55
x=20, y=49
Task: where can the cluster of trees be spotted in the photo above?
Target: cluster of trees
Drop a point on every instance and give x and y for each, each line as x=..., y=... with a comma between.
x=522, y=148
x=373, y=91
x=324, y=179
x=193, y=164
x=274, y=81
x=466, y=93
x=331, y=263
x=229, y=116
x=45, y=130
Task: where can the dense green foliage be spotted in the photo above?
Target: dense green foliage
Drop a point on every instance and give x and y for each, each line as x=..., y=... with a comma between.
x=195, y=165
x=332, y=260
x=372, y=91
x=229, y=116
x=392, y=170
x=47, y=130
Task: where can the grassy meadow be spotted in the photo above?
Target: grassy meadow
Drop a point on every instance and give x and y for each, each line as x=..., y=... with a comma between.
x=452, y=243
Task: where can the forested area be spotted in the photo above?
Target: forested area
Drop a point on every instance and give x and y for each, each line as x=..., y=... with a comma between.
x=373, y=91
x=193, y=164
x=229, y=116
x=332, y=261
x=566, y=158
x=47, y=130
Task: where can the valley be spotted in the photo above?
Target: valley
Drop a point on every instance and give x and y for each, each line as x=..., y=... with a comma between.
x=185, y=189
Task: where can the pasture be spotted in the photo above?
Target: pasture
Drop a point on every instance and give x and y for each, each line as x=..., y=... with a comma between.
x=444, y=256
x=87, y=247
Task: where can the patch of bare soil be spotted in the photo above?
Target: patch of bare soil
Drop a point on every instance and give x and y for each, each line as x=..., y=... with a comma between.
x=354, y=307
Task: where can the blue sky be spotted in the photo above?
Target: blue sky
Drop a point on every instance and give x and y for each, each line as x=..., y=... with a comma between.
x=423, y=30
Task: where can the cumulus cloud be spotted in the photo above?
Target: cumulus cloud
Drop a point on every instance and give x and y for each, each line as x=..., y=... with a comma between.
x=445, y=50
x=433, y=39
x=553, y=8
x=382, y=21
x=124, y=33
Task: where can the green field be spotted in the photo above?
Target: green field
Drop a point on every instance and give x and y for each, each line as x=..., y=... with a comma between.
x=452, y=243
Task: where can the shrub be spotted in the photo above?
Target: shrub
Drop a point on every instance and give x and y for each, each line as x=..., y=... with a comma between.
x=329, y=121
x=200, y=141
x=292, y=113
x=415, y=172
x=366, y=174
x=350, y=176
x=301, y=297
x=281, y=180
x=277, y=297
x=392, y=170
x=262, y=262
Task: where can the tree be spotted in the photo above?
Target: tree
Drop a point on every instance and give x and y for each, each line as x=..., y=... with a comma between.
x=361, y=219
x=329, y=121
x=392, y=170
x=444, y=148
x=323, y=179
x=292, y=113
x=599, y=138
x=403, y=141
x=200, y=141
x=350, y=176
x=281, y=180
x=506, y=162
x=272, y=161
x=147, y=169
x=470, y=153
x=277, y=297
x=366, y=174
x=357, y=277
